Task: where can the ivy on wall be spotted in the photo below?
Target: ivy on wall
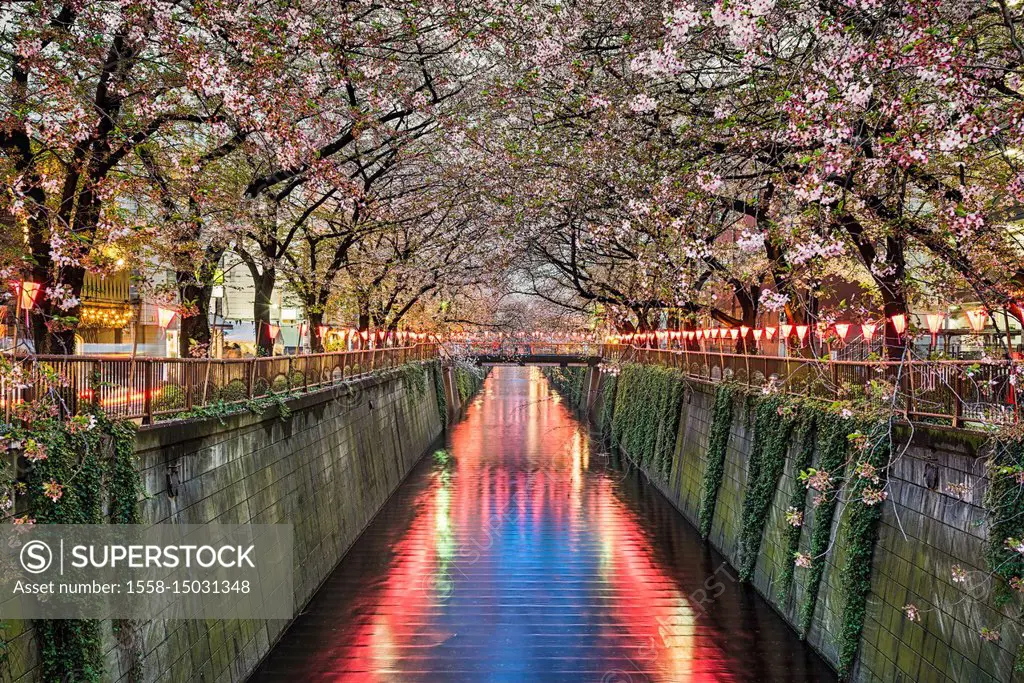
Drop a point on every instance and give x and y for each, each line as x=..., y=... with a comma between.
x=76, y=467
x=714, y=468
x=1004, y=506
x=873, y=450
x=806, y=429
x=570, y=383
x=414, y=376
x=772, y=428
x=442, y=400
x=1004, y=503
x=645, y=419
x=467, y=382
x=642, y=401
x=832, y=448
x=608, y=395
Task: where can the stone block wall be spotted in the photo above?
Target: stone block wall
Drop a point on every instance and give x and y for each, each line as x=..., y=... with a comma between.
x=327, y=468
x=933, y=520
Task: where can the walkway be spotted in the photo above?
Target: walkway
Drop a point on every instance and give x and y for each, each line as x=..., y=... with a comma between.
x=522, y=554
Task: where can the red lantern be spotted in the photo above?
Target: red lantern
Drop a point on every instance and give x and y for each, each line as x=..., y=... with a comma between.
x=273, y=331
x=868, y=330
x=842, y=329
x=899, y=323
x=27, y=293
x=322, y=330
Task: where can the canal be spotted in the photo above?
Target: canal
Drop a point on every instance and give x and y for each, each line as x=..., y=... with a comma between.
x=522, y=551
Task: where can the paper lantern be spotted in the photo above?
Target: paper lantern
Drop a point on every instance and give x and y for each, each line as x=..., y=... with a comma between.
x=758, y=333
x=978, y=318
x=273, y=331
x=842, y=329
x=935, y=322
x=322, y=330
x=744, y=331
x=786, y=331
x=801, y=333
x=27, y=293
x=769, y=333
x=899, y=323
x=734, y=333
x=868, y=330
x=165, y=316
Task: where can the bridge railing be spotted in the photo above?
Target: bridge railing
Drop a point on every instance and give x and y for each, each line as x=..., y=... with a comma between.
x=521, y=349
x=956, y=391
x=146, y=388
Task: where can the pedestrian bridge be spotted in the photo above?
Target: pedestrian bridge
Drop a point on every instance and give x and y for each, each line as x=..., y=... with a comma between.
x=525, y=353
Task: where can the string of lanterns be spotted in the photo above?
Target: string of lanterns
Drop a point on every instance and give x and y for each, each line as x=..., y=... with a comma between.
x=977, y=320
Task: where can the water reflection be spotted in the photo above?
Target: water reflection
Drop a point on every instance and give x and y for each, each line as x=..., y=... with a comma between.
x=521, y=552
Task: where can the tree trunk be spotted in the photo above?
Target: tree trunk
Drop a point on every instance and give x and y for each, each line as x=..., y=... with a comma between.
x=195, y=329
x=263, y=287
x=894, y=297
x=314, y=318
x=49, y=335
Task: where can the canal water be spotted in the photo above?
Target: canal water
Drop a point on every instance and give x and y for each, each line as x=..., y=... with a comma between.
x=523, y=551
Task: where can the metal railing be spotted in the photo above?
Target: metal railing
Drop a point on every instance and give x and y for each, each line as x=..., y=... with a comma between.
x=957, y=392
x=146, y=388
x=949, y=391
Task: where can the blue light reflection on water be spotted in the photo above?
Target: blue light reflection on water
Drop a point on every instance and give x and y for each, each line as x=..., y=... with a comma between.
x=523, y=552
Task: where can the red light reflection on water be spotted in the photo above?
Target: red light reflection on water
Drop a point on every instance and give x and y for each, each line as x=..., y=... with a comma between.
x=521, y=558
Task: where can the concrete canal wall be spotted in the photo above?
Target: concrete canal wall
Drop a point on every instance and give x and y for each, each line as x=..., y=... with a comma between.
x=327, y=468
x=934, y=522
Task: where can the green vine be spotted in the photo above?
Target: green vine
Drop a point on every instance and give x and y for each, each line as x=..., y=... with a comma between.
x=414, y=375
x=124, y=487
x=65, y=485
x=874, y=449
x=645, y=419
x=569, y=382
x=77, y=467
x=714, y=469
x=832, y=448
x=807, y=425
x=442, y=401
x=468, y=382
x=772, y=428
x=220, y=409
x=1004, y=504
x=608, y=396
